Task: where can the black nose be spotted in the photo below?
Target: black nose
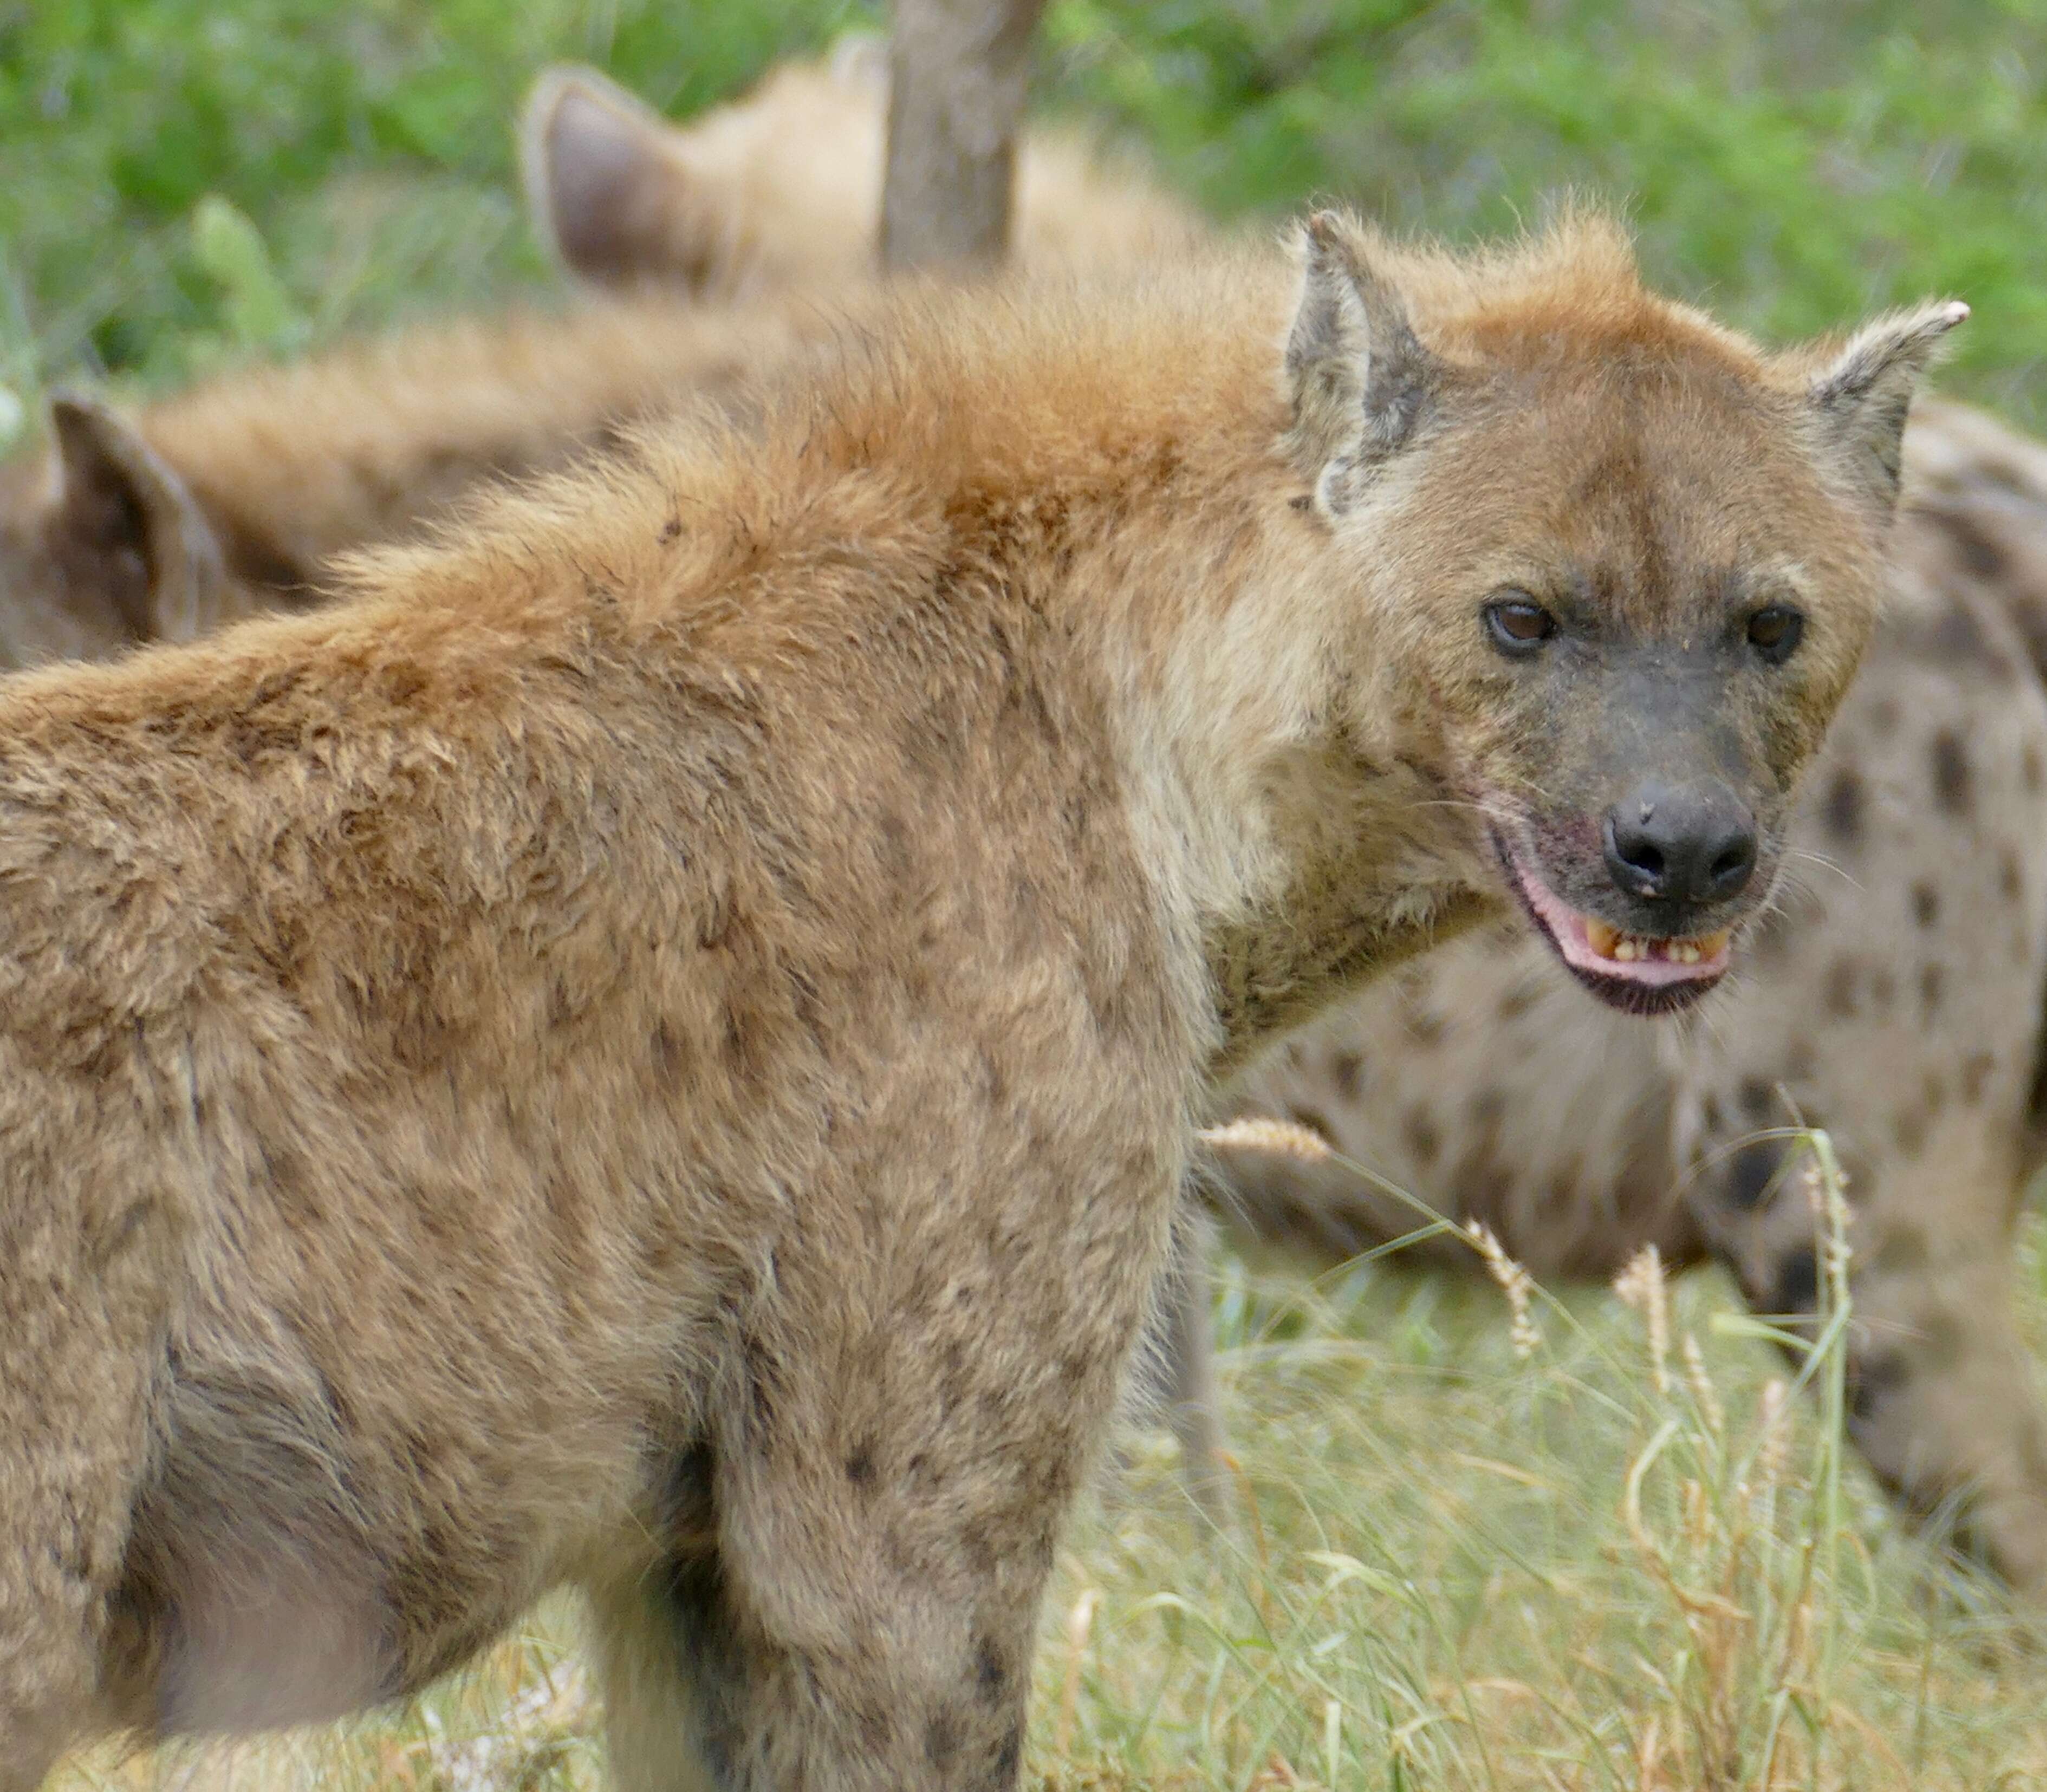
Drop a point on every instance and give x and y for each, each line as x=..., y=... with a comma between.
x=1684, y=846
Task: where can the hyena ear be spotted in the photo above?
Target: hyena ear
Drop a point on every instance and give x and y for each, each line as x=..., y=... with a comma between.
x=1861, y=398
x=1358, y=377
x=131, y=525
x=609, y=188
x=860, y=61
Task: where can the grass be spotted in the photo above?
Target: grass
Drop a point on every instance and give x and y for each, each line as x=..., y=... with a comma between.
x=1634, y=1559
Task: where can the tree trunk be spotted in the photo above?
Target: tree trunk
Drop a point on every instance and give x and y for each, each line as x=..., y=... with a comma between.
x=960, y=71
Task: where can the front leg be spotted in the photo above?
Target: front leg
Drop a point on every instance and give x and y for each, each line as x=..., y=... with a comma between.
x=861, y=1542
x=74, y=1664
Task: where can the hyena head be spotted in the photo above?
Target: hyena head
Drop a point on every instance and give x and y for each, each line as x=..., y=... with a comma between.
x=102, y=546
x=1635, y=560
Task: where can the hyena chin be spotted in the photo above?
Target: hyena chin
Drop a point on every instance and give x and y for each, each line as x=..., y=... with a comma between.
x=654, y=1050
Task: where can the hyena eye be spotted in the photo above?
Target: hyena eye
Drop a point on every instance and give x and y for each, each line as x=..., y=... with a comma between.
x=1519, y=625
x=1773, y=631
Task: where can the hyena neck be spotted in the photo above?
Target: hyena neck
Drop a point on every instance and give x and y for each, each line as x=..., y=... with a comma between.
x=1298, y=861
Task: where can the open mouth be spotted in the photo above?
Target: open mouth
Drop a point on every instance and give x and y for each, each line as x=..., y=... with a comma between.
x=1639, y=972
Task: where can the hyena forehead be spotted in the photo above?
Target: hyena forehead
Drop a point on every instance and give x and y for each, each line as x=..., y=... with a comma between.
x=1578, y=402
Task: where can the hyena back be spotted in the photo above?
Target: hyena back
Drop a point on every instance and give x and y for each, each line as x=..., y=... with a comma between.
x=654, y=1048
x=231, y=497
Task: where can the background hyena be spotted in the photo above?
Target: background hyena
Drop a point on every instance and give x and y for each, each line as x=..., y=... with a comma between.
x=1901, y=990
x=233, y=495
x=484, y=1101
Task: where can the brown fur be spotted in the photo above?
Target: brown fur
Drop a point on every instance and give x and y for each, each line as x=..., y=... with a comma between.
x=229, y=498
x=654, y=1049
x=1482, y=1080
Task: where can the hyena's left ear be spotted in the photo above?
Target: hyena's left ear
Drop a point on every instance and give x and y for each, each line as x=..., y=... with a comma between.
x=1861, y=397
x=1357, y=377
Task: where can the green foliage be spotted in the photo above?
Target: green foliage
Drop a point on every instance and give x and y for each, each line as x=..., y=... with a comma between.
x=1794, y=165
x=368, y=144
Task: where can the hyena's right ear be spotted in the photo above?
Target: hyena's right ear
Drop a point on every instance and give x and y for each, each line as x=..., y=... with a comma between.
x=1358, y=378
x=609, y=187
x=123, y=521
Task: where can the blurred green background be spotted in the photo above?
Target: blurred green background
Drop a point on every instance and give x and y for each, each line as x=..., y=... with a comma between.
x=182, y=181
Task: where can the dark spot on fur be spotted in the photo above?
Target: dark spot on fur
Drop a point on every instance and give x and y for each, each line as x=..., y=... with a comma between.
x=1518, y=999
x=860, y=1466
x=1910, y=1129
x=1348, y=1068
x=1710, y=1115
x=1872, y=1380
x=1976, y=1068
x=1757, y=1099
x=990, y=1676
x=1959, y=637
x=2030, y=769
x=1940, y=1342
x=942, y=1740
x=891, y=838
x=994, y=1085
x=1752, y=1171
x=1925, y=903
x=1797, y=1286
x=1932, y=977
x=1933, y=1093
x=1009, y=1759
x=1423, y=1140
x=1489, y=1107
x=1313, y=1120
x=1981, y=553
x=1562, y=1189
x=1841, y=989
x=2011, y=882
x=668, y=1054
x=1842, y=811
x=1901, y=1251
x=1950, y=772
x=671, y=530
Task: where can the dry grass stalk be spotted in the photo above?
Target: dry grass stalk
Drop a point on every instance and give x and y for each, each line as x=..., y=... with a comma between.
x=1080, y=1621
x=1703, y=1390
x=1284, y=1138
x=1643, y=1286
x=1514, y=1282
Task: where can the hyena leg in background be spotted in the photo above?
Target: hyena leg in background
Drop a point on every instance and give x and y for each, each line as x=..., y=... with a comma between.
x=1176, y=1364
x=1898, y=1003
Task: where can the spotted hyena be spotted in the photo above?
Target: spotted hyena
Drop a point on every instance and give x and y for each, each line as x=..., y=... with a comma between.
x=655, y=1049
x=1901, y=1002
